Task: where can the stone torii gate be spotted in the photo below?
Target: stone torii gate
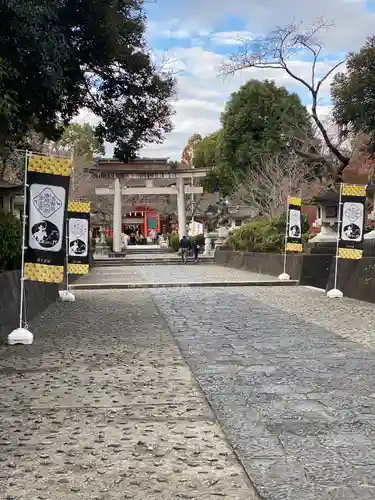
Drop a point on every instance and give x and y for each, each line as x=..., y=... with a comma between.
x=150, y=178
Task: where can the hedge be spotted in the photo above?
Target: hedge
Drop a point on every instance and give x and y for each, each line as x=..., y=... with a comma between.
x=10, y=242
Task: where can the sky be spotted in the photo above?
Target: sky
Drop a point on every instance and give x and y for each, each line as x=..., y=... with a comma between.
x=193, y=38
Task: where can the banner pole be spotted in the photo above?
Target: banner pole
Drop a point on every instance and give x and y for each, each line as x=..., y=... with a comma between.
x=24, y=216
x=21, y=335
x=67, y=254
x=66, y=295
x=284, y=276
x=335, y=293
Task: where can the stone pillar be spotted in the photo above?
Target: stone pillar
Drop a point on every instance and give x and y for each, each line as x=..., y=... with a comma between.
x=207, y=246
x=102, y=234
x=117, y=217
x=181, y=207
x=7, y=204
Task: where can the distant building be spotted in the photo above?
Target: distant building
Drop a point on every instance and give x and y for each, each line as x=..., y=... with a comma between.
x=11, y=198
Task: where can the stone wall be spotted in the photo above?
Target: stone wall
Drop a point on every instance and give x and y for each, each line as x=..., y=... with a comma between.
x=263, y=263
x=38, y=296
x=356, y=278
x=315, y=269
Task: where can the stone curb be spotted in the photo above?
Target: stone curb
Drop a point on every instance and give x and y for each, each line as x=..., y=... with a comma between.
x=125, y=286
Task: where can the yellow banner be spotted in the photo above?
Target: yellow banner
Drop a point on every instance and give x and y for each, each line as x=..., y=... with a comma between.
x=293, y=200
x=79, y=206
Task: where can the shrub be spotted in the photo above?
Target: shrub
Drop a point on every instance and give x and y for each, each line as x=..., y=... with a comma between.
x=262, y=235
x=109, y=242
x=10, y=242
x=174, y=241
x=200, y=239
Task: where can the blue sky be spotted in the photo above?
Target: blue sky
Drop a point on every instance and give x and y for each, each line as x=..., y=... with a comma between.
x=195, y=36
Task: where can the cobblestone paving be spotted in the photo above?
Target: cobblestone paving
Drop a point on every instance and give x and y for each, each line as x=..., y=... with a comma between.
x=103, y=406
x=296, y=400
x=199, y=273
x=352, y=319
x=171, y=273
x=118, y=274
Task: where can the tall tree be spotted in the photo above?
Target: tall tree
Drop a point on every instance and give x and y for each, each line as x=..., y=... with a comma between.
x=57, y=57
x=206, y=151
x=275, y=51
x=188, y=152
x=353, y=94
x=82, y=141
x=208, y=155
x=259, y=119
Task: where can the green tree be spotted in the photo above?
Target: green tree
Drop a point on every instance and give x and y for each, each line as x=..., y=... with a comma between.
x=81, y=139
x=206, y=151
x=208, y=155
x=58, y=57
x=260, y=119
x=353, y=94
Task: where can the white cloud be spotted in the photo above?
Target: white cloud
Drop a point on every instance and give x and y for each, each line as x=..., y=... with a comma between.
x=230, y=37
x=86, y=116
x=353, y=22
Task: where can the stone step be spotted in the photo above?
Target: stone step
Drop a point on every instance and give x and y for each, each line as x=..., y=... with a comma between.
x=144, y=249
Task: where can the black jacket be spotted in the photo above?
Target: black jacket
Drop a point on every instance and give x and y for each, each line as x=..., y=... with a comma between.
x=185, y=243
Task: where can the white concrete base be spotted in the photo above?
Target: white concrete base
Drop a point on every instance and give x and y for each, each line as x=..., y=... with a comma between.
x=284, y=277
x=335, y=294
x=66, y=296
x=370, y=235
x=223, y=232
x=326, y=235
x=20, y=336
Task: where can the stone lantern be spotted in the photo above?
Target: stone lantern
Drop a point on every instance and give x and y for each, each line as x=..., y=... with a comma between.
x=327, y=210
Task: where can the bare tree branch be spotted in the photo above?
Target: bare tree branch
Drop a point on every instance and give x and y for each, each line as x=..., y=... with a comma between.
x=266, y=189
x=275, y=52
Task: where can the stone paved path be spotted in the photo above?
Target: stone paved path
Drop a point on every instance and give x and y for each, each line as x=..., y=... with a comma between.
x=171, y=273
x=291, y=381
x=102, y=406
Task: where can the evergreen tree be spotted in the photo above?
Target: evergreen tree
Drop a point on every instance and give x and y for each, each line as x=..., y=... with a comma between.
x=57, y=57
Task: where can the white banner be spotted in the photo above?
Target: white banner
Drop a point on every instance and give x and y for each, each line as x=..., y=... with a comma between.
x=352, y=221
x=78, y=237
x=46, y=217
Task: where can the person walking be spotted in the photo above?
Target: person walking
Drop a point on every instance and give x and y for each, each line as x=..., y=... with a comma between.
x=184, y=247
x=195, y=247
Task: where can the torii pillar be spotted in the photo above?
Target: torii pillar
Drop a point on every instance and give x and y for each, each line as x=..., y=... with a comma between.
x=181, y=207
x=117, y=217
